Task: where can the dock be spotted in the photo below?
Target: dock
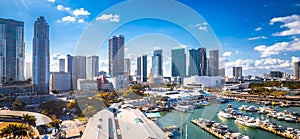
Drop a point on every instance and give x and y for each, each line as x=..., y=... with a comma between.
x=207, y=129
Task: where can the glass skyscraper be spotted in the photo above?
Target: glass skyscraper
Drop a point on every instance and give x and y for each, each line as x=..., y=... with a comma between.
x=214, y=62
x=12, y=50
x=178, y=62
x=157, y=61
x=40, y=58
x=116, y=56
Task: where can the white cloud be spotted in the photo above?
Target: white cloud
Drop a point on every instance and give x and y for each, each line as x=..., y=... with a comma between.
x=258, y=29
x=258, y=37
x=261, y=64
x=295, y=59
x=67, y=19
x=80, y=21
x=81, y=11
x=279, y=47
x=237, y=52
x=51, y=1
x=202, y=26
x=292, y=23
x=62, y=8
x=226, y=54
x=109, y=17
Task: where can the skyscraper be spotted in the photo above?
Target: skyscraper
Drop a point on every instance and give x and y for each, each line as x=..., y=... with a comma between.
x=214, y=62
x=127, y=68
x=116, y=56
x=178, y=62
x=12, y=50
x=92, y=67
x=237, y=72
x=157, y=61
x=61, y=64
x=296, y=70
x=141, y=74
x=41, y=60
x=144, y=68
x=222, y=72
x=203, y=62
x=77, y=69
x=193, y=62
x=28, y=70
x=138, y=68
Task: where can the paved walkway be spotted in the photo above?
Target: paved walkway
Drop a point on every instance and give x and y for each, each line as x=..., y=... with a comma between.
x=41, y=119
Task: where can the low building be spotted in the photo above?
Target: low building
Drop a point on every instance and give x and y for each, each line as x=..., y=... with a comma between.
x=202, y=81
x=60, y=81
x=118, y=82
x=17, y=89
x=84, y=84
x=125, y=123
x=103, y=83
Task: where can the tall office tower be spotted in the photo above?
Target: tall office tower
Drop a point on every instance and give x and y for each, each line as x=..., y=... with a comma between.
x=237, y=72
x=208, y=67
x=157, y=61
x=28, y=70
x=127, y=68
x=222, y=72
x=116, y=56
x=12, y=50
x=70, y=68
x=144, y=68
x=41, y=59
x=203, y=62
x=61, y=64
x=77, y=69
x=214, y=62
x=193, y=62
x=178, y=62
x=296, y=70
x=92, y=67
x=138, y=68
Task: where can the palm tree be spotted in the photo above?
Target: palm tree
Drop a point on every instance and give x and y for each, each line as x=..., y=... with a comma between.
x=15, y=131
x=29, y=119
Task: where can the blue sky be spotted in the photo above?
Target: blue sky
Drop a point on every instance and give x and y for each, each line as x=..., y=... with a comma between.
x=258, y=35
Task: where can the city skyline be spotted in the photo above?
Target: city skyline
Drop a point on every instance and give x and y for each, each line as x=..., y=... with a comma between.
x=258, y=45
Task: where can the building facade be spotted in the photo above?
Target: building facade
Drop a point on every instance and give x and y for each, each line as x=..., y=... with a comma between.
x=192, y=62
x=60, y=81
x=203, y=62
x=62, y=65
x=178, y=63
x=116, y=56
x=12, y=50
x=237, y=72
x=214, y=62
x=41, y=59
x=296, y=70
x=157, y=61
x=77, y=69
x=92, y=67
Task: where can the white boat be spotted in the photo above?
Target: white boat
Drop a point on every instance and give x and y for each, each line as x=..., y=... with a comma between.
x=243, y=107
x=184, y=108
x=224, y=114
x=246, y=121
x=251, y=109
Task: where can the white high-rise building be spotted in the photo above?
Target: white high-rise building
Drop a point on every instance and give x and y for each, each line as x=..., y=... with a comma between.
x=62, y=65
x=92, y=67
x=296, y=70
x=28, y=70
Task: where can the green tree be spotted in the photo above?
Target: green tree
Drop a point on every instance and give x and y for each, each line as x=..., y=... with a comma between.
x=18, y=105
x=29, y=119
x=16, y=131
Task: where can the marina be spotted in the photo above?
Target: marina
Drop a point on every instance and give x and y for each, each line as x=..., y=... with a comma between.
x=265, y=129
